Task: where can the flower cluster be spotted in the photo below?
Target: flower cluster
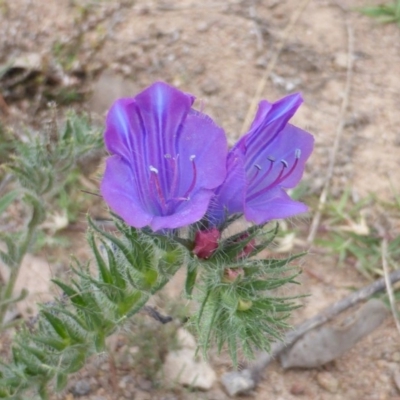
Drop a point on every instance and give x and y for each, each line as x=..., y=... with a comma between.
x=170, y=165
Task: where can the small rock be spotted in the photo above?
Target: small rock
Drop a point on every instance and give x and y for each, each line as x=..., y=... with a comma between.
x=297, y=389
x=144, y=384
x=203, y=26
x=328, y=382
x=340, y=60
x=324, y=344
x=210, y=86
x=185, y=339
x=238, y=382
x=396, y=356
x=81, y=388
x=183, y=367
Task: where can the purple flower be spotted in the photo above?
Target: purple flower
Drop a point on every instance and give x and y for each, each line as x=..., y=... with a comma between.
x=267, y=160
x=166, y=160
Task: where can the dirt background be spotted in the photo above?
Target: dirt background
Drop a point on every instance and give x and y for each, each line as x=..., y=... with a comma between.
x=219, y=51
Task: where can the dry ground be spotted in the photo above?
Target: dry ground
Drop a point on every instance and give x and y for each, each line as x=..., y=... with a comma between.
x=219, y=51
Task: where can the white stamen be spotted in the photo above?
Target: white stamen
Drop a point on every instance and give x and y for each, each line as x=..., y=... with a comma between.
x=153, y=169
x=297, y=153
x=284, y=162
x=192, y=157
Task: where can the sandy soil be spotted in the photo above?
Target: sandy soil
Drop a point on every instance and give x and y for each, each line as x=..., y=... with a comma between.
x=219, y=51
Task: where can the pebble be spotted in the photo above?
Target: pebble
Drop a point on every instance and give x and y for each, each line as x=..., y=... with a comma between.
x=203, y=26
x=297, y=389
x=81, y=388
x=185, y=367
x=238, y=382
x=210, y=86
x=328, y=382
x=340, y=60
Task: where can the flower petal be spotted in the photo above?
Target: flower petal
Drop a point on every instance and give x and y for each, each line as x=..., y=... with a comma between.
x=229, y=197
x=275, y=204
x=120, y=191
x=269, y=121
x=282, y=162
x=203, y=142
x=188, y=212
x=172, y=154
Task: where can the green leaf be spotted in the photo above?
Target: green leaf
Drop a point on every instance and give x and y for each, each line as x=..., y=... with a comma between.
x=100, y=342
x=40, y=354
x=104, y=272
x=73, y=295
x=128, y=303
x=61, y=381
x=68, y=130
x=10, y=262
x=116, y=277
x=56, y=323
x=117, y=242
x=191, y=277
x=54, y=343
x=7, y=199
x=77, y=361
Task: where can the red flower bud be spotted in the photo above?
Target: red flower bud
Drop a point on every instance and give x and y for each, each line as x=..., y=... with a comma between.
x=206, y=242
x=248, y=248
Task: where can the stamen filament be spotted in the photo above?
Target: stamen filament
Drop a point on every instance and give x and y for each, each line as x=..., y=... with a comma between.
x=193, y=183
x=281, y=177
x=275, y=182
x=271, y=159
x=157, y=185
x=258, y=169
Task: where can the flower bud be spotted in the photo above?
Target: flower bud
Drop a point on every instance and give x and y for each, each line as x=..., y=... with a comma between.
x=231, y=274
x=248, y=248
x=244, y=305
x=206, y=242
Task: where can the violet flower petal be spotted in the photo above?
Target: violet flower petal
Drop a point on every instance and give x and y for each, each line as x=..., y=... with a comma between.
x=172, y=159
x=117, y=180
x=276, y=205
x=270, y=120
x=230, y=196
x=273, y=155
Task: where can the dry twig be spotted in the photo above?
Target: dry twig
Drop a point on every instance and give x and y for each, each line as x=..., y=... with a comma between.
x=388, y=284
